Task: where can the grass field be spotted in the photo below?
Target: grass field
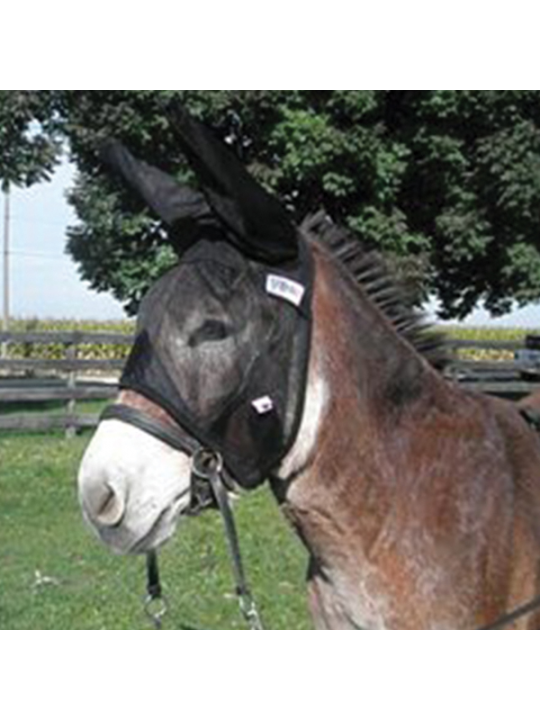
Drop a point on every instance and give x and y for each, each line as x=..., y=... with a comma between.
x=55, y=575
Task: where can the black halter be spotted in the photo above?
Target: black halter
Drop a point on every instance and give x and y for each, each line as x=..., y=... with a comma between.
x=210, y=487
x=174, y=436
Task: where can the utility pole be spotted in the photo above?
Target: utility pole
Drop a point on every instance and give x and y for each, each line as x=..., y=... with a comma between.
x=5, y=323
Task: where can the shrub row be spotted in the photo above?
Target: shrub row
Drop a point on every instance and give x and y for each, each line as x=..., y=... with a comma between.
x=56, y=351
x=483, y=334
x=98, y=351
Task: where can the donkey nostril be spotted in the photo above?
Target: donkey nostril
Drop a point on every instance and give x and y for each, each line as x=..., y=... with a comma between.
x=106, y=505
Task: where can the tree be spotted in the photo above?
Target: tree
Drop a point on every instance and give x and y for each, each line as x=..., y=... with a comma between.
x=314, y=149
x=446, y=182
x=28, y=142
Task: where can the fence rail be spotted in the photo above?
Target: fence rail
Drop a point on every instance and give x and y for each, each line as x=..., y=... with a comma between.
x=25, y=422
x=68, y=365
x=63, y=380
x=74, y=337
x=458, y=344
x=66, y=379
x=22, y=394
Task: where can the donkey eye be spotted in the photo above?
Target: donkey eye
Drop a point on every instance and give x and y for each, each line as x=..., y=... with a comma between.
x=209, y=331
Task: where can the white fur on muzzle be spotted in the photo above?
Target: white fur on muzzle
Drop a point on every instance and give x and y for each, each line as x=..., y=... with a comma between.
x=132, y=487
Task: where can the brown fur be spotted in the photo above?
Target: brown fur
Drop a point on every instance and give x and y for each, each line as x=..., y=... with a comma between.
x=420, y=507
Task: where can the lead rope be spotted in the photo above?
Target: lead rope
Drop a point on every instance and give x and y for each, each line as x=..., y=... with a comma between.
x=516, y=614
x=155, y=605
x=208, y=465
x=246, y=602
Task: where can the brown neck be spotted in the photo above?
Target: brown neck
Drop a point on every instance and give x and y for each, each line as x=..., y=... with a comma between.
x=338, y=486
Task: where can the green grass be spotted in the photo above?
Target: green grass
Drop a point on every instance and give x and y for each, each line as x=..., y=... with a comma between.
x=52, y=407
x=42, y=534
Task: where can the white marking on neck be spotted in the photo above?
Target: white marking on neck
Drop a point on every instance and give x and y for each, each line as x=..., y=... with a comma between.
x=312, y=417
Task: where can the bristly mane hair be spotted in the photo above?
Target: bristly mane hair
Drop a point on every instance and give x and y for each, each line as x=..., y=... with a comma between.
x=371, y=273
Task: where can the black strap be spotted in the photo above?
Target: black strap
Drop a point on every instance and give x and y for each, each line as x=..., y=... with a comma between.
x=513, y=615
x=171, y=435
x=155, y=604
x=230, y=531
x=531, y=416
x=153, y=584
x=243, y=592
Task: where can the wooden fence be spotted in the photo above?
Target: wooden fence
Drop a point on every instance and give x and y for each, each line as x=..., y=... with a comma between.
x=510, y=378
x=68, y=379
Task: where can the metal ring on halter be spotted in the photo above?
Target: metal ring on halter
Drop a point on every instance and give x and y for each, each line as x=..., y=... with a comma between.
x=205, y=463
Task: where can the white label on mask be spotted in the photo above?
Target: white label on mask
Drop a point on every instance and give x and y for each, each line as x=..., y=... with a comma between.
x=284, y=288
x=263, y=404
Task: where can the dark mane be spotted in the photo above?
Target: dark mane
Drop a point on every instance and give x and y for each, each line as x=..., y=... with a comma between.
x=371, y=273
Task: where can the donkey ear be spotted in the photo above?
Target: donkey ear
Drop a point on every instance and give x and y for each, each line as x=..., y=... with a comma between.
x=261, y=226
x=169, y=200
x=181, y=208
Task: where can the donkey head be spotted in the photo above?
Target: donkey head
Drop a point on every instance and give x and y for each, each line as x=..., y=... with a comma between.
x=221, y=340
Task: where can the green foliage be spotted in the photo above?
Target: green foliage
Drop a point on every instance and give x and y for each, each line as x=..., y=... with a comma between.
x=56, y=351
x=446, y=183
x=478, y=170
x=67, y=325
x=486, y=334
x=314, y=148
x=29, y=146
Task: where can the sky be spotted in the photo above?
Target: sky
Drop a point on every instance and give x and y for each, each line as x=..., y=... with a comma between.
x=44, y=281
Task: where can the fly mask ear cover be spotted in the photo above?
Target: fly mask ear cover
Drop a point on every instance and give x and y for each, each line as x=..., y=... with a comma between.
x=252, y=416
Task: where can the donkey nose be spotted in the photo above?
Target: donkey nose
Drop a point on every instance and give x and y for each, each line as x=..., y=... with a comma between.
x=105, y=504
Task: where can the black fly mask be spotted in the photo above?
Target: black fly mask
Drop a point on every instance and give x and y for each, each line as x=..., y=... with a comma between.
x=224, y=356
x=223, y=338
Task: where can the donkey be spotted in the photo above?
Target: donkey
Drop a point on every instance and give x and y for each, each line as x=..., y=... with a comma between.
x=291, y=353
